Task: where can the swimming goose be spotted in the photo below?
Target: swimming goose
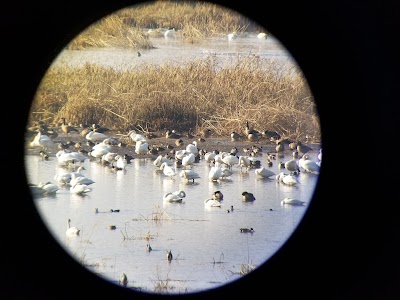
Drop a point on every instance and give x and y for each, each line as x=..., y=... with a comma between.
x=212, y=203
x=217, y=195
x=189, y=175
x=168, y=170
x=72, y=230
x=246, y=230
x=248, y=197
x=169, y=255
x=35, y=190
x=292, y=201
x=66, y=158
x=174, y=197
x=263, y=172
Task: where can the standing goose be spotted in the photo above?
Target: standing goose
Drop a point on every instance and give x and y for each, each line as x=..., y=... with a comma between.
x=167, y=169
x=292, y=166
x=189, y=175
x=65, y=128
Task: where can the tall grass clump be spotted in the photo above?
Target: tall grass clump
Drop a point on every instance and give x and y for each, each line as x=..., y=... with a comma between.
x=198, y=94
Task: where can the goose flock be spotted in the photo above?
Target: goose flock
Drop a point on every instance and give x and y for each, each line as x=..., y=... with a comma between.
x=115, y=151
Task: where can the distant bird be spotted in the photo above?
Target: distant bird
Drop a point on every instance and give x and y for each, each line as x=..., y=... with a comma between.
x=72, y=230
x=205, y=132
x=65, y=128
x=247, y=230
x=248, y=197
x=262, y=36
x=112, y=227
x=123, y=280
x=292, y=201
x=170, y=32
x=169, y=255
x=114, y=210
x=217, y=195
x=235, y=136
x=139, y=54
x=232, y=36
x=148, y=248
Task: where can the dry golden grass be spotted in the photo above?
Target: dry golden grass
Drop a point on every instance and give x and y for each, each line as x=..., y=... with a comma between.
x=195, y=95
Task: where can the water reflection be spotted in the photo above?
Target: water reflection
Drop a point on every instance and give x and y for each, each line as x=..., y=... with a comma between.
x=204, y=239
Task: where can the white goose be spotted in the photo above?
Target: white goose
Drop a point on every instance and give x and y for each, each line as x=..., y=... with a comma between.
x=136, y=137
x=263, y=172
x=287, y=179
x=141, y=147
x=161, y=159
x=176, y=196
x=80, y=179
x=188, y=159
x=292, y=201
x=72, y=230
x=121, y=163
x=168, y=170
x=48, y=187
x=262, y=36
x=215, y=173
x=230, y=160
x=189, y=175
x=308, y=165
x=212, y=203
x=192, y=148
x=80, y=189
x=95, y=136
x=42, y=140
